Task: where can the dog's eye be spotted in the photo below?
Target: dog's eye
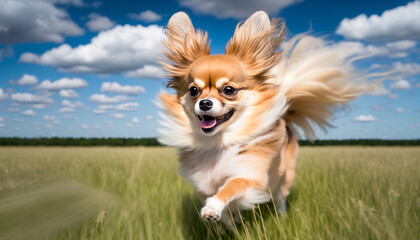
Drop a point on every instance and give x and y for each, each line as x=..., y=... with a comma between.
x=194, y=91
x=229, y=90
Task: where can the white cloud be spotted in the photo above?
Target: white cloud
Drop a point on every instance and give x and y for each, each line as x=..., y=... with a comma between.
x=29, y=112
x=39, y=106
x=69, y=104
x=400, y=23
x=34, y=21
x=402, y=45
x=135, y=120
x=400, y=84
x=106, y=107
x=131, y=106
x=1, y=119
x=120, y=49
x=408, y=69
x=379, y=91
x=62, y=83
x=149, y=117
x=67, y=116
x=99, y=111
x=99, y=23
x=364, y=118
x=84, y=126
x=115, y=87
x=68, y=93
x=238, y=9
x=30, y=98
x=103, y=99
x=3, y=95
x=49, y=118
x=66, y=110
x=117, y=115
x=400, y=110
x=27, y=79
x=147, y=71
x=146, y=16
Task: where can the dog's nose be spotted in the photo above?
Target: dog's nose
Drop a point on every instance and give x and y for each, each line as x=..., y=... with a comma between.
x=206, y=105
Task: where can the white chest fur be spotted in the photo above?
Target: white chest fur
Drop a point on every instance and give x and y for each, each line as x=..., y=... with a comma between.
x=208, y=169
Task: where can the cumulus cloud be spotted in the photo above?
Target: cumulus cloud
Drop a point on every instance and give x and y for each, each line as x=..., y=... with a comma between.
x=99, y=111
x=399, y=110
x=148, y=71
x=149, y=117
x=400, y=23
x=135, y=120
x=39, y=106
x=129, y=125
x=69, y=104
x=402, y=45
x=34, y=21
x=401, y=85
x=131, y=106
x=29, y=112
x=115, y=87
x=117, y=115
x=49, y=118
x=1, y=119
x=27, y=79
x=103, y=99
x=99, y=23
x=3, y=95
x=66, y=110
x=238, y=9
x=63, y=83
x=30, y=98
x=68, y=93
x=146, y=16
x=364, y=118
x=120, y=49
x=408, y=69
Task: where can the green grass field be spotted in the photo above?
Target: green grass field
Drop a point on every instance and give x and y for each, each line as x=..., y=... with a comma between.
x=136, y=193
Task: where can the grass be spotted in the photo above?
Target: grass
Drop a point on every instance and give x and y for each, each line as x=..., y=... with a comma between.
x=136, y=193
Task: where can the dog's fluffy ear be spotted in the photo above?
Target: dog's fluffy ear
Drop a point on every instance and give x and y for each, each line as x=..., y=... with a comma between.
x=255, y=43
x=184, y=45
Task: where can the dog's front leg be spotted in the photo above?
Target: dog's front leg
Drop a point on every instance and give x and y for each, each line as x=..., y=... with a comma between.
x=233, y=189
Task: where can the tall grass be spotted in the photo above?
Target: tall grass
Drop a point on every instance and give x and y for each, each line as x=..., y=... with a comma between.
x=136, y=193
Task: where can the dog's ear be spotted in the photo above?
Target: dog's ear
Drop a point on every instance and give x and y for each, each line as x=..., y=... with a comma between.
x=255, y=43
x=184, y=45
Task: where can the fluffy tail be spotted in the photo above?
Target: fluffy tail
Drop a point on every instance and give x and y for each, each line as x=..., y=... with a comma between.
x=316, y=78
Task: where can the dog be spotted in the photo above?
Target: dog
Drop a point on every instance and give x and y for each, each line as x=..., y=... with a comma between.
x=235, y=117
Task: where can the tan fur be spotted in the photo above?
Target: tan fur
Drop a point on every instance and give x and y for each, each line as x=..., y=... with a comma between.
x=243, y=158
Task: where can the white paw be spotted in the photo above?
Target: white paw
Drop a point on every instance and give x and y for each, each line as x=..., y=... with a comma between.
x=210, y=214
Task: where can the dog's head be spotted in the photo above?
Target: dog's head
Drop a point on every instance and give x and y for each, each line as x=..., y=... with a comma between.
x=221, y=93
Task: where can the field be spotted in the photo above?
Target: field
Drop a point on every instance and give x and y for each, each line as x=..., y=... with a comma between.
x=136, y=193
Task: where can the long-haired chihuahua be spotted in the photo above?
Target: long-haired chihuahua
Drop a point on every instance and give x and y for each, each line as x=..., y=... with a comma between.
x=234, y=117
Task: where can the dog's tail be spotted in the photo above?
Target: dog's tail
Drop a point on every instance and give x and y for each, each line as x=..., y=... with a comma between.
x=316, y=79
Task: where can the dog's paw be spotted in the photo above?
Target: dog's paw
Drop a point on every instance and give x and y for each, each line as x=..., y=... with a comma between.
x=210, y=214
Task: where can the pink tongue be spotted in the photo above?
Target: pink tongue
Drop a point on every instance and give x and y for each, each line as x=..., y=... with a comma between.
x=208, y=124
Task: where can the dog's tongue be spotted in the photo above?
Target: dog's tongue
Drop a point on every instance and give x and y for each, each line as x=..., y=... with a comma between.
x=208, y=122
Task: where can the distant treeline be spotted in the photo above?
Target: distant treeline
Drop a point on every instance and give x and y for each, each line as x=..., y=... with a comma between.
x=56, y=141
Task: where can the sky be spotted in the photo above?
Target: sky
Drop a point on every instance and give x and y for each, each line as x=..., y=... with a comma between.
x=79, y=68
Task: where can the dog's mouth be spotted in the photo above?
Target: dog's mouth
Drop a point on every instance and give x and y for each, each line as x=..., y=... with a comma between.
x=209, y=123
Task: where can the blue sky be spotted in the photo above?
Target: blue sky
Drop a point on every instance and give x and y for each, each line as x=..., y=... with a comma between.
x=78, y=68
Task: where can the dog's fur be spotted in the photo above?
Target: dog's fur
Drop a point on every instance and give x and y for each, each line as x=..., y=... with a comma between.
x=251, y=155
